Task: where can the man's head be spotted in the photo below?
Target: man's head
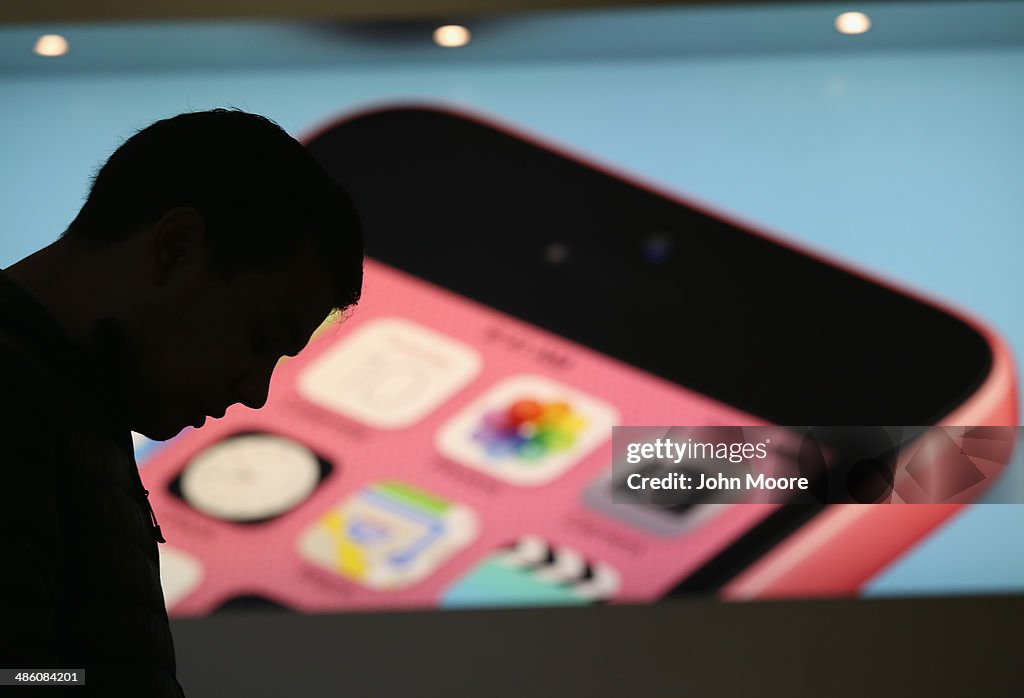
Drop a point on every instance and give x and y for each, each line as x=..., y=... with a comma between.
x=224, y=244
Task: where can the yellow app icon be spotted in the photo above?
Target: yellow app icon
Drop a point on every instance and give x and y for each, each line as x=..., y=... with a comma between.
x=388, y=535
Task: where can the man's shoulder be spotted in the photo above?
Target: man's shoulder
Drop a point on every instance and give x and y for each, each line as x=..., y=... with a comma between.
x=21, y=362
x=34, y=351
x=33, y=403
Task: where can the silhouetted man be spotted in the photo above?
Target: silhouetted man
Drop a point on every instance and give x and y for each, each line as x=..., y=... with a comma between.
x=211, y=244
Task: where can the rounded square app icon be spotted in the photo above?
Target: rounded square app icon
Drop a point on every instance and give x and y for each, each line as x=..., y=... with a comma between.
x=389, y=373
x=527, y=430
x=661, y=512
x=180, y=574
x=532, y=572
x=388, y=535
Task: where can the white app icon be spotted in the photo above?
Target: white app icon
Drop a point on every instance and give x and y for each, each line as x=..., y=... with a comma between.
x=180, y=573
x=250, y=477
x=527, y=430
x=389, y=374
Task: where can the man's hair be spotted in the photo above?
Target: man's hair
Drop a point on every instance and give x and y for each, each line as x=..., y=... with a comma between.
x=262, y=195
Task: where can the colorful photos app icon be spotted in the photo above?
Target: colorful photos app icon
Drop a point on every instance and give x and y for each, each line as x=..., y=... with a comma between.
x=389, y=373
x=527, y=430
x=388, y=535
x=530, y=572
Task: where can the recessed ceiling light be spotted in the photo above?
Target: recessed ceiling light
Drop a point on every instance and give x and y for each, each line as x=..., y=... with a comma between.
x=853, y=23
x=451, y=36
x=51, y=45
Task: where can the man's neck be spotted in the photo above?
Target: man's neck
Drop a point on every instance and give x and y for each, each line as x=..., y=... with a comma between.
x=63, y=286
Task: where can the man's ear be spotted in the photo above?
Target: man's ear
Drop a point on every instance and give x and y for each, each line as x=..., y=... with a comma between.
x=178, y=239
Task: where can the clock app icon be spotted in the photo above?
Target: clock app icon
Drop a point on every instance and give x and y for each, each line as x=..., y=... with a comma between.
x=250, y=477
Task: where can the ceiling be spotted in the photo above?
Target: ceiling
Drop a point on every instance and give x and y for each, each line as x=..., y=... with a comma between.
x=640, y=31
x=30, y=11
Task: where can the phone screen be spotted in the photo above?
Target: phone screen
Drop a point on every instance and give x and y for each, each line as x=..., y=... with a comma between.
x=431, y=451
x=449, y=444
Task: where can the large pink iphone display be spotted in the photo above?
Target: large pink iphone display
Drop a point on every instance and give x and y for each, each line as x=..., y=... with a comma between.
x=432, y=451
